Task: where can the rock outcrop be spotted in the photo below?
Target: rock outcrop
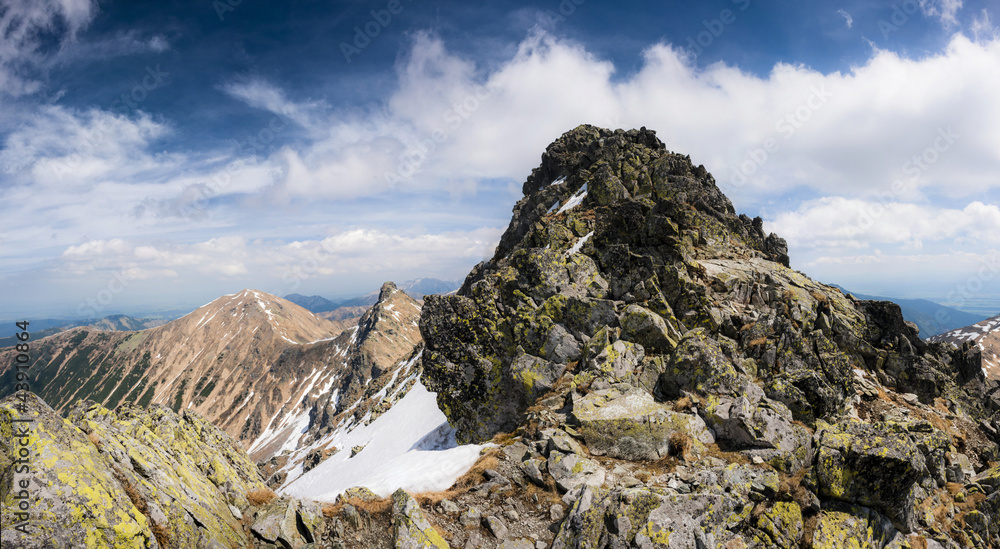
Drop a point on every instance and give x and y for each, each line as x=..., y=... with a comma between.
x=128, y=478
x=631, y=309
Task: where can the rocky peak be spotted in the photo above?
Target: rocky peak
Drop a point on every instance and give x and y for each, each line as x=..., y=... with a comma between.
x=630, y=316
x=604, y=168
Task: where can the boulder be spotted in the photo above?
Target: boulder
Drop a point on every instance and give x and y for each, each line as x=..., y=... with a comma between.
x=410, y=528
x=759, y=427
x=699, y=364
x=872, y=466
x=642, y=326
x=571, y=471
x=633, y=426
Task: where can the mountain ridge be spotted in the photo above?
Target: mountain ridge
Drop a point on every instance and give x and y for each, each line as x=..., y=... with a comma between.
x=930, y=317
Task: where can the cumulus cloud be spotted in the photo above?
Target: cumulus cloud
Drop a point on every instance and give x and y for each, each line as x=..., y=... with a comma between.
x=286, y=265
x=837, y=223
x=794, y=128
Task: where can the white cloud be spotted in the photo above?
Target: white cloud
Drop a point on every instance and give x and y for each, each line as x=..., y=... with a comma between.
x=855, y=132
x=24, y=24
x=56, y=144
x=847, y=18
x=909, y=127
x=848, y=224
x=261, y=94
x=286, y=265
x=982, y=27
x=945, y=10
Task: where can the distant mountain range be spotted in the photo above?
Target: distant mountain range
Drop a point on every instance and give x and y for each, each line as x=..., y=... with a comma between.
x=932, y=318
x=50, y=326
x=416, y=289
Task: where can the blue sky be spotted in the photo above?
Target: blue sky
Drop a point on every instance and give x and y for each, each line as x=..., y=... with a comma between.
x=155, y=155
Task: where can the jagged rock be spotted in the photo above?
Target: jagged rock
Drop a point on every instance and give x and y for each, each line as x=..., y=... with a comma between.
x=648, y=329
x=533, y=470
x=853, y=526
x=681, y=308
x=633, y=426
x=654, y=519
x=780, y=525
x=759, y=427
x=559, y=440
x=471, y=516
x=496, y=527
x=871, y=466
x=358, y=492
x=110, y=476
x=411, y=530
x=571, y=471
x=700, y=364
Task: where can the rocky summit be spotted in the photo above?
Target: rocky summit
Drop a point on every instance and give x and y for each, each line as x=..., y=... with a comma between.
x=652, y=356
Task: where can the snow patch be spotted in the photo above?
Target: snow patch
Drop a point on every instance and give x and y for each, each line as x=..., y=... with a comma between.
x=411, y=446
x=579, y=244
x=574, y=200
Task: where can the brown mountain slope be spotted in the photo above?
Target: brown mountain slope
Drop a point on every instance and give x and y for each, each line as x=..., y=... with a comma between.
x=251, y=363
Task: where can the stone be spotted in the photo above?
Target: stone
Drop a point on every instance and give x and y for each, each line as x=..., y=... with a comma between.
x=516, y=452
x=781, y=525
x=470, y=517
x=560, y=441
x=852, y=526
x=633, y=426
x=642, y=326
x=449, y=507
x=699, y=364
x=653, y=519
x=873, y=466
x=184, y=470
x=496, y=526
x=410, y=527
x=762, y=428
x=571, y=471
x=533, y=470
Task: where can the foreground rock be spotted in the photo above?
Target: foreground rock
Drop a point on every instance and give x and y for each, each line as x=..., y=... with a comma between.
x=129, y=478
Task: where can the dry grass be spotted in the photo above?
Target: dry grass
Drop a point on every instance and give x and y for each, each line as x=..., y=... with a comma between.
x=758, y=341
x=644, y=476
x=683, y=404
x=680, y=445
x=503, y=439
x=95, y=439
x=820, y=298
x=160, y=531
x=261, y=496
x=748, y=327
x=810, y=524
x=731, y=457
x=473, y=477
x=372, y=506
